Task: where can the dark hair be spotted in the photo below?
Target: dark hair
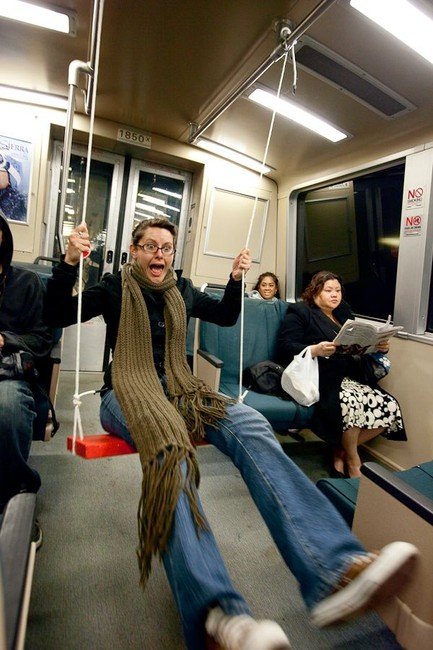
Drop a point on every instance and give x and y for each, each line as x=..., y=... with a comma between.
x=265, y=275
x=316, y=285
x=157, y=222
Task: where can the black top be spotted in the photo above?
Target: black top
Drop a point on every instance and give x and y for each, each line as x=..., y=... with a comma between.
x=21, y=300
x=303, y=326
x=105, y=298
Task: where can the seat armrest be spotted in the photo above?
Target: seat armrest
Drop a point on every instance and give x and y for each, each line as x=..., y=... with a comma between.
x=419, y=503
x=208, y=369
x=210, y=358
x=16, y=564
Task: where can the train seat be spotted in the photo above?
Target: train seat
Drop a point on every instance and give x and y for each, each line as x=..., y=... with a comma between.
x=217, y=360
x=390, y=506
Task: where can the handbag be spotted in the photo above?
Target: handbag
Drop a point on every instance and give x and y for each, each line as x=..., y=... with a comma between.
x=264, y=377
x=374, y=367
x=18, y=365
x=301, y=378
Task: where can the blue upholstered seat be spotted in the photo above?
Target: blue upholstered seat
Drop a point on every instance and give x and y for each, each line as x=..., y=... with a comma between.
x=262, y=320
x=343, y=492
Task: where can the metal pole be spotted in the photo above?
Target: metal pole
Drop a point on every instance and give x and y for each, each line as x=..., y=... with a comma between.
x=74, y=68
x=96, y=19
x=278, y=52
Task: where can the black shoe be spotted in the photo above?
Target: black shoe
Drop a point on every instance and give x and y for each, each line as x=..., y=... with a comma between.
x=37, y=535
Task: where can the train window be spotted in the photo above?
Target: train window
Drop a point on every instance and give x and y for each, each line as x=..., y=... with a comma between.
x=353, y=229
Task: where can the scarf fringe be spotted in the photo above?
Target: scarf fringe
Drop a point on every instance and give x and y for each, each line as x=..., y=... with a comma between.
x=161, y=487
x=201, y=408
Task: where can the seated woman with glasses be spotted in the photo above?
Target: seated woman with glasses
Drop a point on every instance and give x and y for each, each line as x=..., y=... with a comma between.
x=152, y=400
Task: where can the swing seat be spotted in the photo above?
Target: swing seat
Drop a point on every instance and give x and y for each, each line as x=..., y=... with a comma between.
x=100, y=445
x=104, y=444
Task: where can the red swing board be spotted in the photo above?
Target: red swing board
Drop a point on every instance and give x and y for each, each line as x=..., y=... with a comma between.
x=104, y=444
x=100, y=445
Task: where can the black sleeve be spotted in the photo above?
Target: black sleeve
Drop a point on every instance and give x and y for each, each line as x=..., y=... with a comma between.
x=60, y=307
x=222, y=312
x=29, y=333
x=293, y=335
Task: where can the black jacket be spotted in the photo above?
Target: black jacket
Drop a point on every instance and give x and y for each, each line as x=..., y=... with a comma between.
x=303, y=326
x=105, y=298
x=21, y=301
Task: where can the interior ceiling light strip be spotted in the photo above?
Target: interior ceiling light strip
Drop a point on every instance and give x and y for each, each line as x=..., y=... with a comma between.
x=233, y=155
x=298, y=114
x=403, y=20
x=39, y=16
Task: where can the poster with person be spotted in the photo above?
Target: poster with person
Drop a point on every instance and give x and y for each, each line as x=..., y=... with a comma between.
x=15, y=163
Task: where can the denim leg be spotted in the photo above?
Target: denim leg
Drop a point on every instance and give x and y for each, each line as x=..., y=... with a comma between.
x=313, y=539
x=17, y=412
x=192, y=561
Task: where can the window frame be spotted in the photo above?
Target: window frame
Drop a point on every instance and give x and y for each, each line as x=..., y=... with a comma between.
x=414, y=272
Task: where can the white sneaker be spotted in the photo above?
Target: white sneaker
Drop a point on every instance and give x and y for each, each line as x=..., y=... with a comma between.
x=370, y=580
x=244, y=633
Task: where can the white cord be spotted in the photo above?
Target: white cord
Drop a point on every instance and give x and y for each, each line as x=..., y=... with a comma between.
x=78, y=427
x=295, y=68
x=241, y=396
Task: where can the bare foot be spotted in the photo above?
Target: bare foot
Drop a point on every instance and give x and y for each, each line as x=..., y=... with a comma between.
x=354, y=470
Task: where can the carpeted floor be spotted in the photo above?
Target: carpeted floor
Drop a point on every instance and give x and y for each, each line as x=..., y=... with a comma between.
x=85, y=591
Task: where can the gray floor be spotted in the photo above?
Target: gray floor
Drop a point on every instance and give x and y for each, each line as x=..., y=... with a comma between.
x=85, y=590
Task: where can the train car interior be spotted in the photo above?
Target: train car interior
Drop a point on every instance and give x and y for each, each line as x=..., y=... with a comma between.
x=301, y=129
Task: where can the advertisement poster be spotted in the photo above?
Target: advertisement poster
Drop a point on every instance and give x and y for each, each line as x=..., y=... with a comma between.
x=15, y=164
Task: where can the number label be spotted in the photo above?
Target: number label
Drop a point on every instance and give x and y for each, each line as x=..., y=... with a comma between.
x=139, y=138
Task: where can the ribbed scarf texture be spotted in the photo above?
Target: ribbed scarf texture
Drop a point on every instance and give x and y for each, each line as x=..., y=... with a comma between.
x=164, y=429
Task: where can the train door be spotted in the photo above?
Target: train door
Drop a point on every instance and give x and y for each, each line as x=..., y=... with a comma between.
x=156, y=191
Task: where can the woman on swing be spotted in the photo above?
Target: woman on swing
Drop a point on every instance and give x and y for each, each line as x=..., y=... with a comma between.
x=151, y=399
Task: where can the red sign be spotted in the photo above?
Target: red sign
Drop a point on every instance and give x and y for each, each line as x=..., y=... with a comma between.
x=415, y=194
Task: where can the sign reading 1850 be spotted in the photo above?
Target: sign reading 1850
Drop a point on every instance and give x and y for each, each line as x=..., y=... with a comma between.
x=132, y=136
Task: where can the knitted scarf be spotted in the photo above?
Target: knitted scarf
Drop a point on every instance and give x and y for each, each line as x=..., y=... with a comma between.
x=164, y=429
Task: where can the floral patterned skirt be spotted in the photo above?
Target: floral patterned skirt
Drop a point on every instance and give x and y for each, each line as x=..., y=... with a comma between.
x=369, y=408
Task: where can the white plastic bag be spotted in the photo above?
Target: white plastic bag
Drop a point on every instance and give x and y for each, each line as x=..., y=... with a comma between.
x=301, y=378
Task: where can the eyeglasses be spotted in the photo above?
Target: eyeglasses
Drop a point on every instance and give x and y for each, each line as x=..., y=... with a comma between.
x=150, y=247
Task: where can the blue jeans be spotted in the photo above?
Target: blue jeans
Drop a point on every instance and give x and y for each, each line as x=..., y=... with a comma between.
x=17, y=412
x=314, y=541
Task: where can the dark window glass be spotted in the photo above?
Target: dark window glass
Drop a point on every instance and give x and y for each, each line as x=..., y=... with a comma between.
x=353, y=229
x=98, y=205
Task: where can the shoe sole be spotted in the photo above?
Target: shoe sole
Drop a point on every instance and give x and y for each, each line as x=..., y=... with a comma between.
x=383, y=579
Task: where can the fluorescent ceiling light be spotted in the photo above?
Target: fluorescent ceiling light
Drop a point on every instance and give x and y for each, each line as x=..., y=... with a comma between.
x=31, y=97
x=232, y=154
x=160, y=202
x=42, y=16
x=175, y=194
x=403, y=20
x=146, y=214
x=150, y=208
x=151, y=199
x=294, y=112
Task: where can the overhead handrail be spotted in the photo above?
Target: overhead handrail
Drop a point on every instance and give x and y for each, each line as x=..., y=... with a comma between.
x=75, y=68
x=288, y=39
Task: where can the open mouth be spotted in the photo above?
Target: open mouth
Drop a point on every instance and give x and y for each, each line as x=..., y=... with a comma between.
x=156, y=270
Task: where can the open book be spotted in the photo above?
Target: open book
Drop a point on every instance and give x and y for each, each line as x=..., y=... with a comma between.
x=356, y=337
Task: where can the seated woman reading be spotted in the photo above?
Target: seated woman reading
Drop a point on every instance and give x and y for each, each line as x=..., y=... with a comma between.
x=349, y=412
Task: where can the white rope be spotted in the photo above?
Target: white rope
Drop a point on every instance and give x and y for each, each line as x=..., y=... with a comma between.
x=76, y=400
x=241, y=395
x=295, y=68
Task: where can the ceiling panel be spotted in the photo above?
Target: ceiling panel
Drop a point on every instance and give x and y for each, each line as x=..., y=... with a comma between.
x=166, y=64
